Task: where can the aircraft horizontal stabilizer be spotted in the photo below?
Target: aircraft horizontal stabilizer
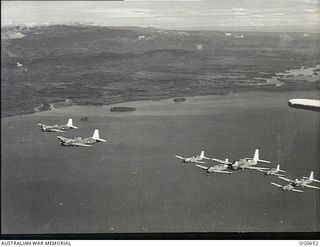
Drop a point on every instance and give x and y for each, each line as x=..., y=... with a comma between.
x=100, y=140
x=295, y=190
x=57, y=130
x=97, y=137
x=264, y=161
x=70, y=124
x=221, y=161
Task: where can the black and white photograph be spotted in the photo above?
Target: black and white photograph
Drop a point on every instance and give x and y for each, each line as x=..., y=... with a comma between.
x=167, y=119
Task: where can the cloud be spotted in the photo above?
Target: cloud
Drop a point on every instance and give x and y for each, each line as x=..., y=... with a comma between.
x=177, y=13
x=240, y=13
x=163, y=0
x=239, y=9
x=121, y=12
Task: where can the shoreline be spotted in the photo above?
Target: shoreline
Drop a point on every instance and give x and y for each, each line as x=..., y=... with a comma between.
x=59, y=109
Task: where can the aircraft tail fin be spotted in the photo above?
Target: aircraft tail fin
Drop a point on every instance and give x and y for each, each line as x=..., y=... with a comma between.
x=97, y=137
x=257, y=158
x=70, y=124
x=256, y=155
x=202, y=156
x=311, y=176
x=278, y=168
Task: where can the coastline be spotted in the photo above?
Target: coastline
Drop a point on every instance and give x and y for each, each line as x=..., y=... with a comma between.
x=167, y=106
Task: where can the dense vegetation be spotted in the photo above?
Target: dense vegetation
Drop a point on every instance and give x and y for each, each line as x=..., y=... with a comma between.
x=122, y=109
x=100, y=65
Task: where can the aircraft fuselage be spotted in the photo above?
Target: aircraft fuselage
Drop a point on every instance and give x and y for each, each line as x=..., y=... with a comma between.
x=287, y=187
x=214, y=169
x=300, y=182
x=192, y=159
x=271, y=172
x=243, y=163
x=70, y=142
x=49, y=128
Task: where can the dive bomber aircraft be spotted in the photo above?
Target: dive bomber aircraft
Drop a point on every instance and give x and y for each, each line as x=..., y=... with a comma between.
x=81, y=141
x=194, y=159
x=215, y=169
x=58, y=128
x=287, y=187
x=246, y=163
x=272, y=171
x=302, y=182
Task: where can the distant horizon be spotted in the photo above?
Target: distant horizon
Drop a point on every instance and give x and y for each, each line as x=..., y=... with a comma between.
x=256, y=15
x=298, y=29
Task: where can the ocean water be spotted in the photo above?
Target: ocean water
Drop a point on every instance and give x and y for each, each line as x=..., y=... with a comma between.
x=133, y=182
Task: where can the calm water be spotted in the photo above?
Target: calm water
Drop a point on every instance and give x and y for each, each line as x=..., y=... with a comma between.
x=133, y=183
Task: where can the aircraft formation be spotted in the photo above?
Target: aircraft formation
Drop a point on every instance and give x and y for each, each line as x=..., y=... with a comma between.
x=227, y=167
x=75, y=141
x=223, y=166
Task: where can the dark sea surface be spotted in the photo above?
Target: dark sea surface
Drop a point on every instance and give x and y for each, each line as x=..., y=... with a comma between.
x=133, y=182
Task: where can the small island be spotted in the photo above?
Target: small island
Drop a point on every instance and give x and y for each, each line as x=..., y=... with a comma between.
x=122, y=109
x=179, y=99
x=84, y=119
x=43, y=107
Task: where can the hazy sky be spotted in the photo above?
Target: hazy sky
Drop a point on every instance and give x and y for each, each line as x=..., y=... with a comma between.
x=173, y=14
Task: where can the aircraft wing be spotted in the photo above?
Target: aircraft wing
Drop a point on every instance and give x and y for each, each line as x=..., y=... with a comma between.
x=80, y=144
x=199, y=162
x=203, y=167
x=257, y=168
x=286, y=179
x=278, y=185
x=295, y=190
x=313, y=187
x=63, y=139
x=179, y=157
x=56, y=130
x=221, y=161
x=314, y=180
x=226, y=172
